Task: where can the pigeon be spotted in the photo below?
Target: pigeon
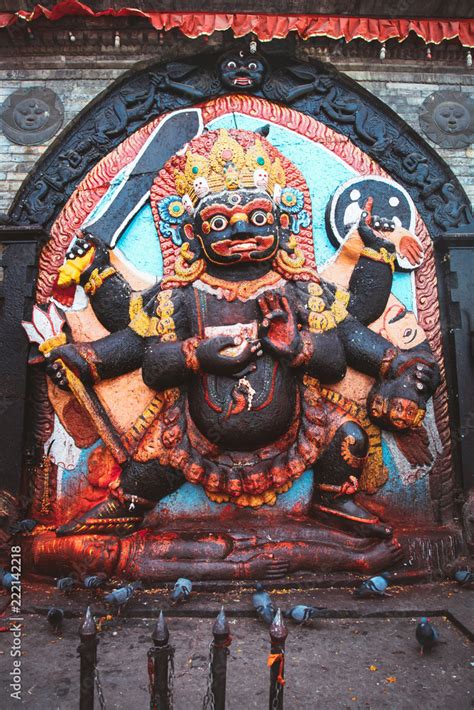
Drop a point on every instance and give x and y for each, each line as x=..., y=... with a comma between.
x=302, y=614
x=181, y=590
x=55, y=618
x=66, y=584
x=94, y=581
x=373, y=587
x=119, y=597
x=23, y=526
x=426, y=635
x=464, y=577
x=263, y=604
x=7, y=579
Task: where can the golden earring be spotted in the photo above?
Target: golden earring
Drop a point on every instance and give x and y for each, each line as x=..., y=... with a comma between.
x=292, y=243
x=186, y=252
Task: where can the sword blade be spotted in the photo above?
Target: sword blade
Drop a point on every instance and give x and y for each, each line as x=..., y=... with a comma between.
x=169, y=137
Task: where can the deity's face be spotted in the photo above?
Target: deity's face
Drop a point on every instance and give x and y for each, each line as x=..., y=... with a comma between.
x=401, y=327
x=237, y=226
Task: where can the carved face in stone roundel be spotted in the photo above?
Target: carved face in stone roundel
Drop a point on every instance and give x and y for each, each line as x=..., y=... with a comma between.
x=31, y=114
x=451, y=117
x=242, y=70
x=237, y=226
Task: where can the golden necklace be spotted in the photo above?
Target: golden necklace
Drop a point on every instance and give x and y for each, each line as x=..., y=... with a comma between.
x=242, y=290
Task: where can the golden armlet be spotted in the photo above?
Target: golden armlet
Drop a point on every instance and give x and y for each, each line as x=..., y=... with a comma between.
x=383, y=255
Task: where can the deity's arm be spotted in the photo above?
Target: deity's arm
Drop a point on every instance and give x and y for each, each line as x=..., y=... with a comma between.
x=364, y=349
x=113, y=300
x=118, y=353
x=322, y=356
x=169, y=350
x=411, y=376
x=106, y=358
x=164, y=364
x=115, y=304
x=371, y=283
x=317, y=307
x=372, y=247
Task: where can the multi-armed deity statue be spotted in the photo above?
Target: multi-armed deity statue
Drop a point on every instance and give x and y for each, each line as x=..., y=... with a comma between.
x=238, y=343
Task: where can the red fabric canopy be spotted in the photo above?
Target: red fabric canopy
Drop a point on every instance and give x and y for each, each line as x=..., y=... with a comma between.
x=268, y=26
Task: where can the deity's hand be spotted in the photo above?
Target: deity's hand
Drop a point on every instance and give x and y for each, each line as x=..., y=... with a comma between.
x=278, y=330
x=67, y=356
x=85, y=255
x=377, y=232
x=212, y=357
x=419, y=366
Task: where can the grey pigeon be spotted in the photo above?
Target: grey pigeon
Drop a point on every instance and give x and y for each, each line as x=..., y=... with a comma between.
x=373, y=587
x=23, y=526
x=181, y=590
x=464, y=577
x=302, y=614
x=94, y=581
x=55, y=618
x=119, y=597
x=66, y=584
x=7, y=579
x=426, y=635
x=263, y=604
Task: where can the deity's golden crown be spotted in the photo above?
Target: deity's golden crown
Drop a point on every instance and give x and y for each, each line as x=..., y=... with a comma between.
x=229, y=166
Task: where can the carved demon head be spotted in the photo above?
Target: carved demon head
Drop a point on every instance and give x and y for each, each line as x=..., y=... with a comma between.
x=241, y=70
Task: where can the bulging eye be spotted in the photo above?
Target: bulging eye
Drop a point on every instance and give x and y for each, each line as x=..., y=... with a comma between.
x=231, y=65
x=252, y=66
x=218, y=223
x=259, y=218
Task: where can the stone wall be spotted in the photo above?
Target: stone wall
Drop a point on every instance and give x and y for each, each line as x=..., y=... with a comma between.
x=78, y=74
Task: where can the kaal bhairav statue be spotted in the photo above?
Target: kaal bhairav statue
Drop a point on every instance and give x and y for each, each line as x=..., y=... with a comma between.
x=240, y=342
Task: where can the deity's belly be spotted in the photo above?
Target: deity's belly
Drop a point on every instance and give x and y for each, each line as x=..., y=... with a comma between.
x=246, y=412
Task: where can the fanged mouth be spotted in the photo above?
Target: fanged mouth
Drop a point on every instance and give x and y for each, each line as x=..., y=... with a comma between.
x=229, y=247
x=242, y=81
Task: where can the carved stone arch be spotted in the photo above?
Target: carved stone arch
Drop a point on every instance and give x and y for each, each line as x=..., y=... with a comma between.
x=314, y=88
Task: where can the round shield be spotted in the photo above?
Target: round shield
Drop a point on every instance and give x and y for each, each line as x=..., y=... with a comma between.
x=390, y=201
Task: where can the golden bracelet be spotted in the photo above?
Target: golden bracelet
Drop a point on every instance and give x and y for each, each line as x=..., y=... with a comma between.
x=189, y=351
x=96, y=279
x=89, y=355
x=306, y=352
x=388, y=357
x=51, y=343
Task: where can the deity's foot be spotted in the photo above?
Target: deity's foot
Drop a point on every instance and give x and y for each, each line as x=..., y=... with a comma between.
x=344, y=513
x=385, y=554
x=110, y=517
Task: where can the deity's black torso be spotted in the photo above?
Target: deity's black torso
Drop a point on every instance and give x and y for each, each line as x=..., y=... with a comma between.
x=257, y=405
x=251, y=408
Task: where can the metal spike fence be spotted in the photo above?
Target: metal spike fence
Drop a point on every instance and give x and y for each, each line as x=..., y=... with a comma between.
x=161, y=665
